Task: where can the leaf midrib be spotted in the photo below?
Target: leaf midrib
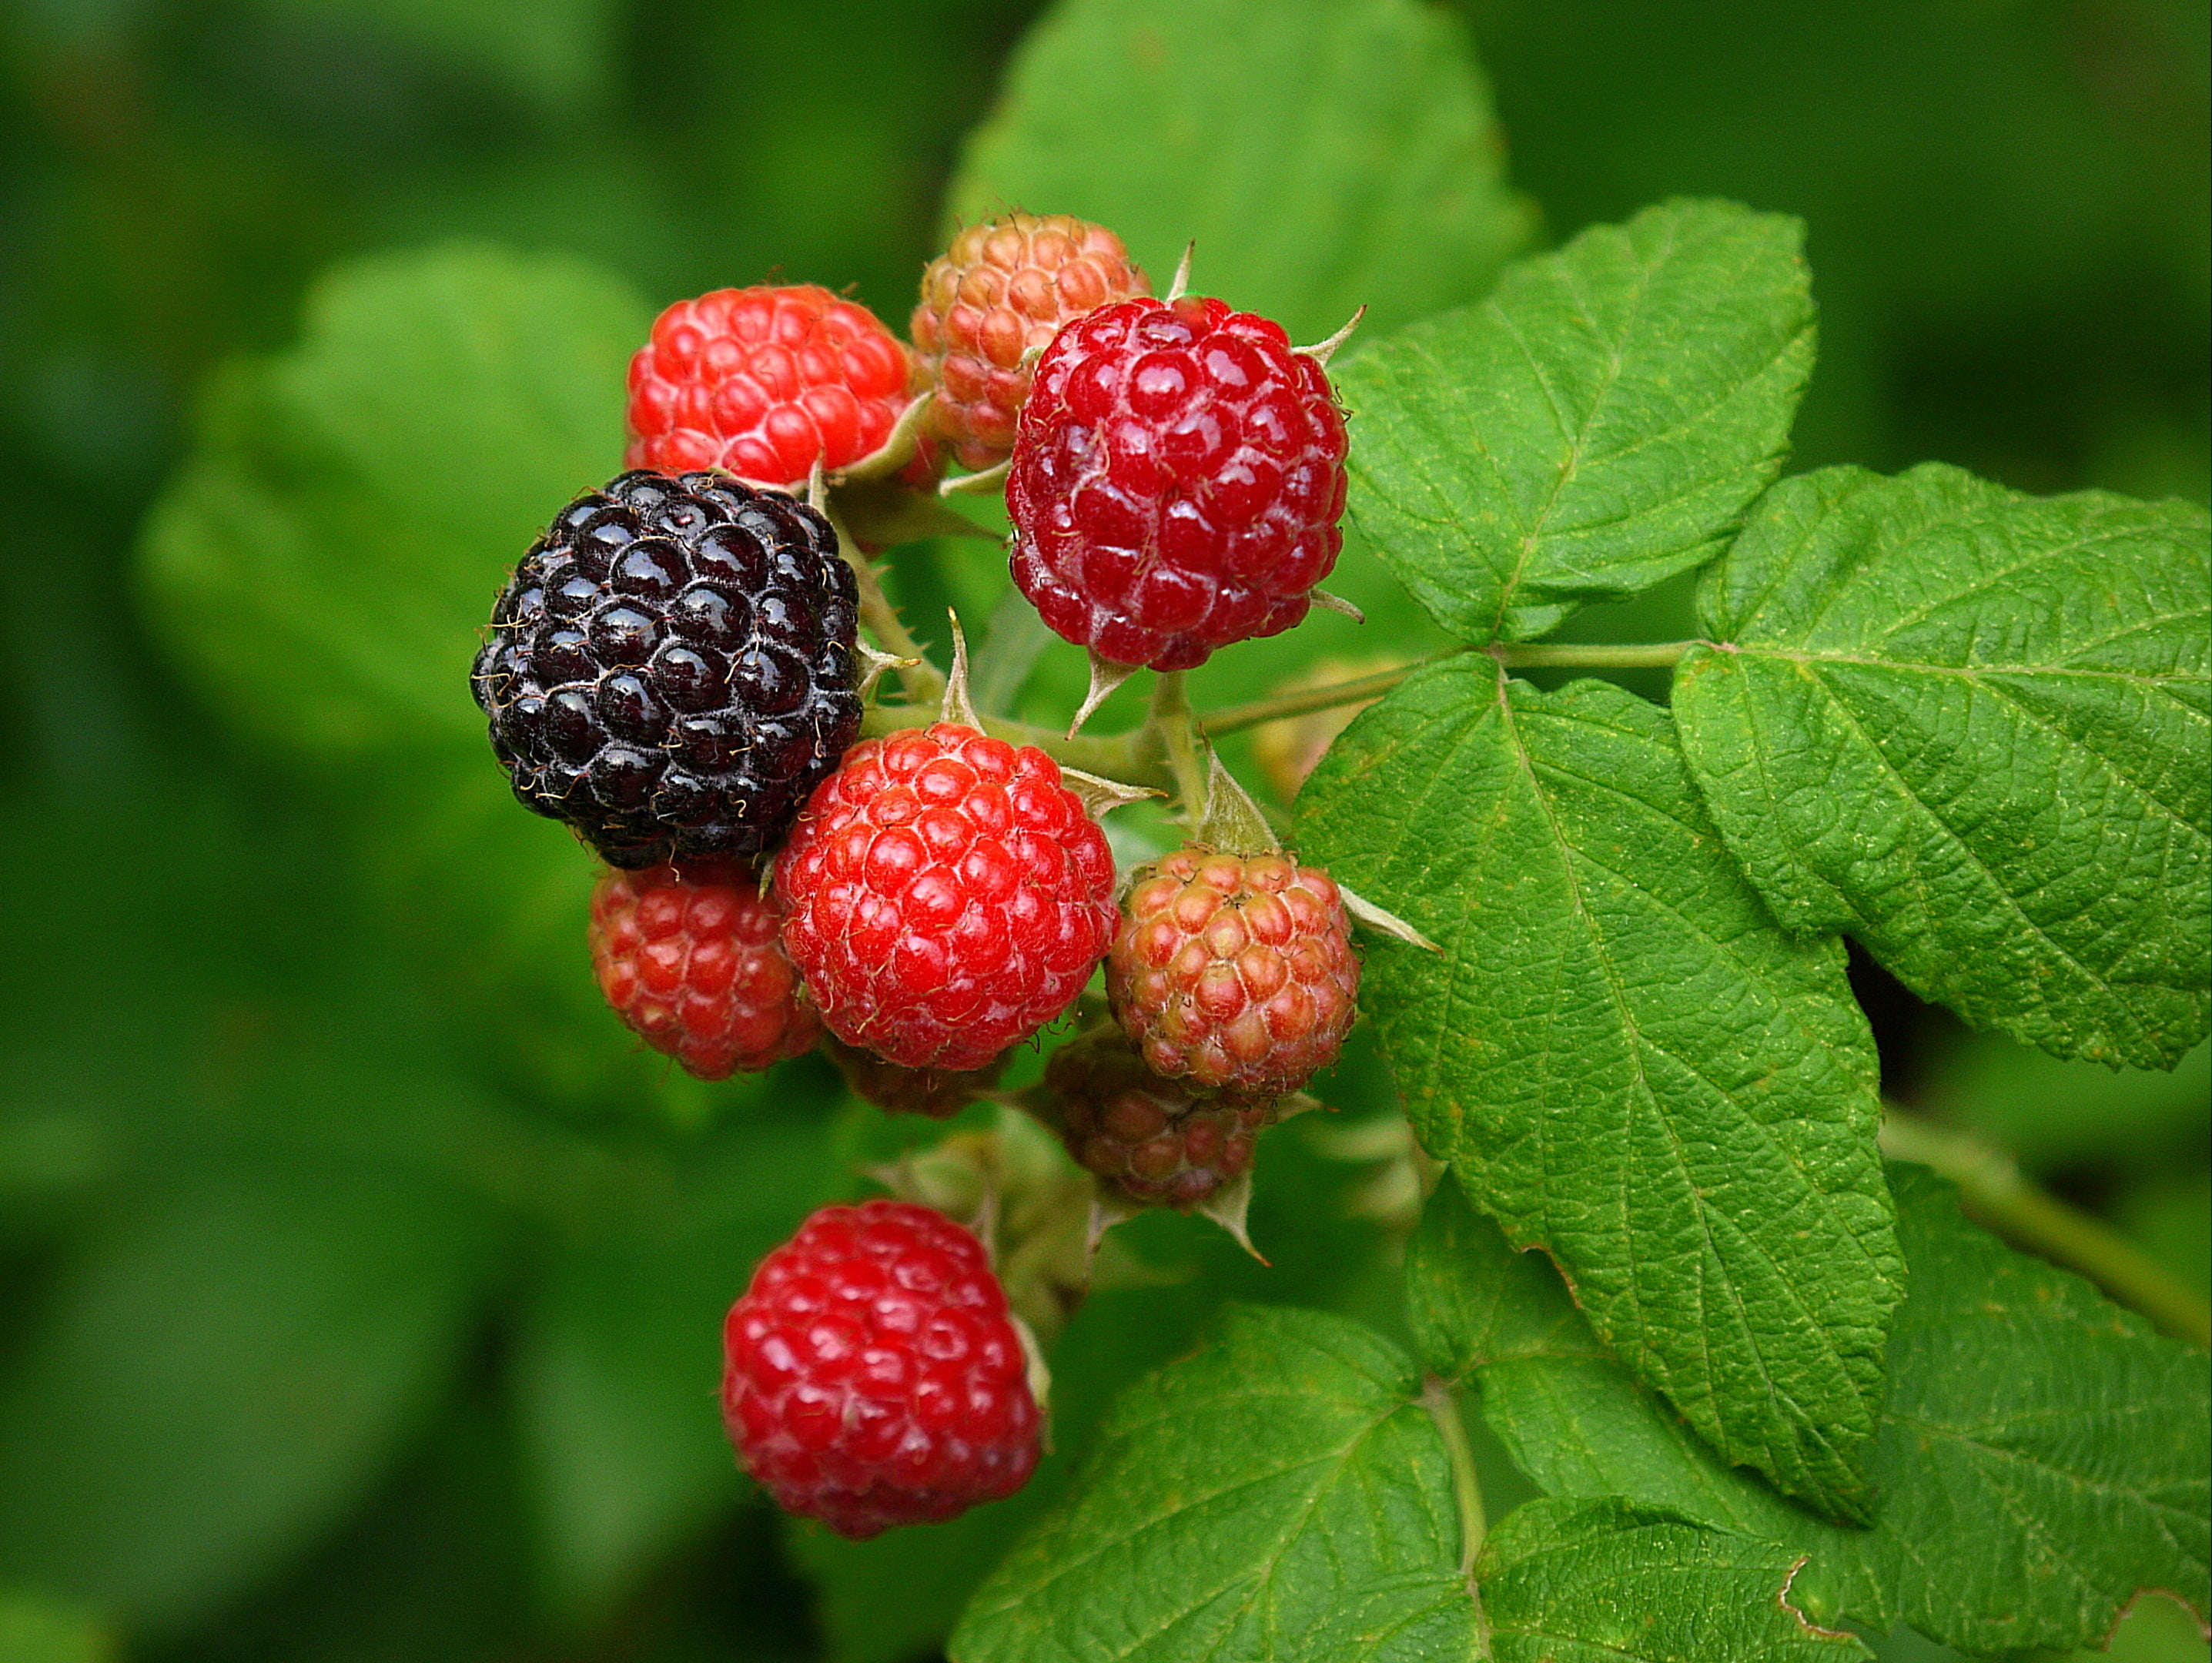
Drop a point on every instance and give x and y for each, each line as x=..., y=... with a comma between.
x=1578, y=439
x=1797, y=1415
x=2149, y=680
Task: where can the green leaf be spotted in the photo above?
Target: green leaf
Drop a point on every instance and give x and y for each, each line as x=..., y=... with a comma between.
x=1598, y=424
x=2070, y=1426
x=1623, y=1058
x=1281, y=1485
x=1324, y=155
x=2042, y=1455
x=327, y=560
x=1603, y=1581
x=1284, y=1495
x=326, y=563
x=226, y=1371
x=1969, y=727
x=1474, y=1302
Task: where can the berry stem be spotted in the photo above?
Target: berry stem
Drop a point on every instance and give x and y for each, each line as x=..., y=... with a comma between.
x=1178, y=731
x=1466, y=1487
x=921, y=681
x=1996, y=1192
x=1658, y=655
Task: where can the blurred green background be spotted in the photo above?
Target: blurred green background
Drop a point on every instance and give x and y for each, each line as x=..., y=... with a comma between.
x=359, y=1306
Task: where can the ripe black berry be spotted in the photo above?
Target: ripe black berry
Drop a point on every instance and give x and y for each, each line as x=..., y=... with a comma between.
x=672, y=667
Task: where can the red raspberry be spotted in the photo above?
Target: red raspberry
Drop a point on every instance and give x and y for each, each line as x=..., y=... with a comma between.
x=764, y=383
x=688, y=956
x=1236, y=973
x=999, y=294
x=939, y=1093
x=945, y=896
x=1177, y=481
x=1157, y=1141
x=872, y=1377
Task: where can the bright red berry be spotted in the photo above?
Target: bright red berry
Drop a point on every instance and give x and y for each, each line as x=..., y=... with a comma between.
x=872, y=1376
x=764, y=383
x=1156, y=1140
x=690, y=958
x=1235, y=974
x=945, y=896
x=1177, y=478
x=998, y=294
x=939, y=1093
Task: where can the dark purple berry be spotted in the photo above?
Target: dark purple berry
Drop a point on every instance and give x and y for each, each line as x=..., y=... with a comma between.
x=670, y=669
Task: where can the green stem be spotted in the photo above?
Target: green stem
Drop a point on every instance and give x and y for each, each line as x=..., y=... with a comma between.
x=1466, y=1488
x=1655, y=655
x=2001, y=1196
x=1305, y=701
x=1542, y=655
x=1177, y=733
x=920, y=680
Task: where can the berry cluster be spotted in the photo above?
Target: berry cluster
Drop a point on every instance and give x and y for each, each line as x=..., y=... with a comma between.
x=674, y=670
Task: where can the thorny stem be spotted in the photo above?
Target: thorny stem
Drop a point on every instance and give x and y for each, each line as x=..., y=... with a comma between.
x=2001, y=1196
x=921, y=681
x=1658, y=655
x=1178, y=732
x=1466, y=1489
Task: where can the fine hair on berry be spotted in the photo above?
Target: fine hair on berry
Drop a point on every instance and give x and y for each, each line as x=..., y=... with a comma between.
x=872, y=1376
x=945, y=896
x=1177, y=477
x=673, y=667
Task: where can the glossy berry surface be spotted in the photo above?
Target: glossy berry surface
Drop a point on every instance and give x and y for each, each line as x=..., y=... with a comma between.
x=1157, y=1141
x=1177, y=478
x=945, y=896
x=939, y=1093
x=764, y=383
x=872, y=1377
x=1234, y=973
x=690, y=959
x=1001, y=293
x=672, y=667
